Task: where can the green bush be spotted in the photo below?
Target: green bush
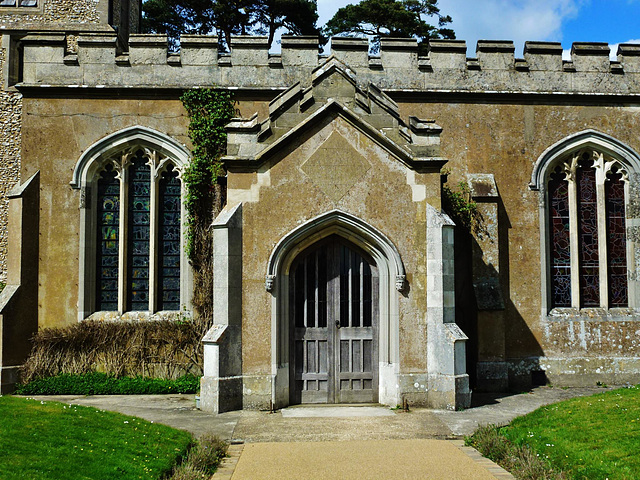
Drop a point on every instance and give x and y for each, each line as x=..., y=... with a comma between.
x=96, y=383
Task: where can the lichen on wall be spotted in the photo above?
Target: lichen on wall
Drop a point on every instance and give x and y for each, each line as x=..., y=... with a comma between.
x=10, y=128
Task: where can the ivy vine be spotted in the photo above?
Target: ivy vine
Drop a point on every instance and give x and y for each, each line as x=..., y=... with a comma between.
x=209, y=111
x=457, y=203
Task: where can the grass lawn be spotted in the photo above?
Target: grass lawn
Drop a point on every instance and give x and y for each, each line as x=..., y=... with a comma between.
x=592, y=438
x=49, y=440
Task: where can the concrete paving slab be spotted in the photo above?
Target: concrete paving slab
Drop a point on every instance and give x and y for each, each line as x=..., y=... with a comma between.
x=177, y=411
x=336, y=412
x=422, y=459
x=276, y=427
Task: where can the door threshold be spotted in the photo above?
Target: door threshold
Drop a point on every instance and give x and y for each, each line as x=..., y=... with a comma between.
x=348, y=410
x=329, y=405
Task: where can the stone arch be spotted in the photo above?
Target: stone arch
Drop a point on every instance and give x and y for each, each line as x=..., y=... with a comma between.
x=587, y=138
x=391, y=276
x=619, y=154
x=160, y=151
x=121, y=140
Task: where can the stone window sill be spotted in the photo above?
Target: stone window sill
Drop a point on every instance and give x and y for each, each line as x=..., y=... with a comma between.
x=594, y=314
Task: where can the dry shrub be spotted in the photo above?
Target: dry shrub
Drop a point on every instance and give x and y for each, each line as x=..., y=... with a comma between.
x=207, y=454
x=160, y=349
x=520, y=460
x=202, y=460
x=187, y=472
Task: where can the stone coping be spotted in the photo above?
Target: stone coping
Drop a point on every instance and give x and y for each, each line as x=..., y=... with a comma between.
x=249, y=65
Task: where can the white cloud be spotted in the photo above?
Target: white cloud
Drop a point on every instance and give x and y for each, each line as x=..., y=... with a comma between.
x=613, y=50
x=517, y=20
x=473, y=20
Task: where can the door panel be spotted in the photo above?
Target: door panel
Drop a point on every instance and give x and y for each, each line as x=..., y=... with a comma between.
x=334, y=296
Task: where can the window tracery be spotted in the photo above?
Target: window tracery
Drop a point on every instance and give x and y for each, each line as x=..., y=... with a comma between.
x=587, y=232
x=138, y=251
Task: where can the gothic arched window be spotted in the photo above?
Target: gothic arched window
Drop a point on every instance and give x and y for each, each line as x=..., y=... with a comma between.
x=586, y=198
x=138, y=220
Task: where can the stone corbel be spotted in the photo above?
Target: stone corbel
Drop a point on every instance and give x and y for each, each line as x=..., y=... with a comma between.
x=401, y=280
x=269, y=282
x=85, y=197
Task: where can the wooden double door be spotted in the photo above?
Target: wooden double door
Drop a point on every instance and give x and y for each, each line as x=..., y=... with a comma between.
x=334, y=320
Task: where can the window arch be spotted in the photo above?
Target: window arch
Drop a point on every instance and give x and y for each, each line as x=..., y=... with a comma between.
x=587, y=232
x=588, y=248
x=131, y=242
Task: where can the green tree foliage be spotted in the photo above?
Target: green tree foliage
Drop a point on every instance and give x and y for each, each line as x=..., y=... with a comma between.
x=389, y=18
x=231, y=17
x=299, y=17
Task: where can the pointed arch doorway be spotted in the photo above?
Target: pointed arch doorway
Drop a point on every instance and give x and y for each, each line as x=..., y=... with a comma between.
x=333, y=294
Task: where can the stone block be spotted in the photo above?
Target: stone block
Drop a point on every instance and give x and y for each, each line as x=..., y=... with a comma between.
x=198, y=50
x=256, y=392
x=448, y=54
x=97, y=48
x=219, y=395
x=492, y=376
x=148, y=49
x=48, y=53
x=300, y=50
x=352, y=51
x=249, y=50
x=399, y=52
x=543, y=56
x=591, y=57
x=449, y=392
x=629, y=57
x=496, y=54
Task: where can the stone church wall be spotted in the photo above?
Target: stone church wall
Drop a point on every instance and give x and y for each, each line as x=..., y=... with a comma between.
x=498, y=113
x=10, y=126
x=56, y=13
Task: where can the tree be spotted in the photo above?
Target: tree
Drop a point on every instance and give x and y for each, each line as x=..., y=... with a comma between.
x=230, y=17
x=389, y=18
x=299, y=17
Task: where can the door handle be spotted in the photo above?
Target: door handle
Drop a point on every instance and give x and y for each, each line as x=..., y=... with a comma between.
x=337, y=323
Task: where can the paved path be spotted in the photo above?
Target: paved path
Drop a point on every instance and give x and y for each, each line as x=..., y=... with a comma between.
x=339, y=442
x=360, y=459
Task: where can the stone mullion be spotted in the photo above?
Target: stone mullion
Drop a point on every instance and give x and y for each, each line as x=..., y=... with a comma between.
x=574, y=242
x=123, y=176
x=602, y=243
x=153, y=231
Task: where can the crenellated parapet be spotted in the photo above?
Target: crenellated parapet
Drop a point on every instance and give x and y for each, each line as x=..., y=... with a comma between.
x=48, y=60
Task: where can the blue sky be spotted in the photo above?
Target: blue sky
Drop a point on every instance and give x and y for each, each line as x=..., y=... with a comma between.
x=566, y=21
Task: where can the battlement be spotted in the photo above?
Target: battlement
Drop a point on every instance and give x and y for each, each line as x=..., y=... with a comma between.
x=49, y=60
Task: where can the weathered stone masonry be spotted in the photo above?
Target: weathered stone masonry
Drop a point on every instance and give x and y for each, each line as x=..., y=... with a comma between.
x=10, y=123
x=498, y=120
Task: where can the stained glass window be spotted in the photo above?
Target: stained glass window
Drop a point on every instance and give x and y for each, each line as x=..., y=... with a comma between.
x=138, y=234
x=588, y=233
x=616, y=241
x=560, y=240
x=595, y=254
x=169, y=242
x=108, y=237
x=144, y=182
